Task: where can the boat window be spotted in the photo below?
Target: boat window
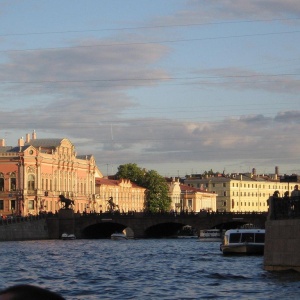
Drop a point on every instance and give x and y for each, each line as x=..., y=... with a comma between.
x=234, y=238
x=247, y=237
x=259, y=238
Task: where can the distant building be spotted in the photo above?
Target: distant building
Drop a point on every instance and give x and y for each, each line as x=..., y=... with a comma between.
x=246, y=192
x=191, y=199
x=36, y=171
x=128, y=196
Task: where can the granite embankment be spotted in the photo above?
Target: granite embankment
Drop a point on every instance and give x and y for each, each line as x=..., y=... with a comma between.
x=24, y=228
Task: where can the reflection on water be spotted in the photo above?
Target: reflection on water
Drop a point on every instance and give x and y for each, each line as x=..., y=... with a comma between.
x=142, y=269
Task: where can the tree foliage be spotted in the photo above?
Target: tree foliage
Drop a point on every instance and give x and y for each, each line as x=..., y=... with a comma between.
x=157, y=198
x=132, y=172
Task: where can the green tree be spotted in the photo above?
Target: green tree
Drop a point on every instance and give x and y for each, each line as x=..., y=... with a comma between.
x=157, y=192
x=157, y=198
x=132, y=172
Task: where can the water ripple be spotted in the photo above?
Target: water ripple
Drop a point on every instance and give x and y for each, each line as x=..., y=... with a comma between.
x=142, y=269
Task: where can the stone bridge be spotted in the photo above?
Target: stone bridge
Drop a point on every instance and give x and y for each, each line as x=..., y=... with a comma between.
x=141, y=225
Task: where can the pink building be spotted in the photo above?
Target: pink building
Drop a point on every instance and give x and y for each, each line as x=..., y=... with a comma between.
x=36, y=171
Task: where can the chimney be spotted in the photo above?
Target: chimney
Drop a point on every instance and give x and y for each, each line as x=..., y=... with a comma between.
x=2, y=142
x=276, y=172
x=34, y=135
x=21, y=142
x=27, y=137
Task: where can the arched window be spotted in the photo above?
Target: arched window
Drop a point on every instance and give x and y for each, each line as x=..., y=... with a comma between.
x=13, y=182
x=31, y=182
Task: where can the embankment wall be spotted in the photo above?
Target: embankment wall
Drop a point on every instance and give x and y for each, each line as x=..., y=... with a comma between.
x=282, y=245
x=24, y=230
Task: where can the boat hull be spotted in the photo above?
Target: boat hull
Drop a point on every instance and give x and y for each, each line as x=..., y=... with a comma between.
x=246, y=248
x=66, y=236
x=118, y=236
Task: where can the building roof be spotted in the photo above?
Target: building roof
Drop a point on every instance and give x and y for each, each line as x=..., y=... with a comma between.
x=189, y=189
x=45, y=143
x=115, y=182
x=13, y=149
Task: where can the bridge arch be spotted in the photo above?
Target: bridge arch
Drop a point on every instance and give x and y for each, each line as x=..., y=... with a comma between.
x=104, y=230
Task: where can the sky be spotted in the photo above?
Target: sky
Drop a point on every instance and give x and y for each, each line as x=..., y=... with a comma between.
x=175, y=86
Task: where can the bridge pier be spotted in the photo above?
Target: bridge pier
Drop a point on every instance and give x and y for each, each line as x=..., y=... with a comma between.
x=64, y=223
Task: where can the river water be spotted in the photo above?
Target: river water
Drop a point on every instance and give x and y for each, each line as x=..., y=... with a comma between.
x=142, y=269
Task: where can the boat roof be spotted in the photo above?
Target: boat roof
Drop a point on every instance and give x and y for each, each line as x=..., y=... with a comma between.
x=243, y=230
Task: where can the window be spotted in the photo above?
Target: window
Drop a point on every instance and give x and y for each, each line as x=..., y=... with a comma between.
x=31, y=182
x=1, y=204
x=31, y=204
x=1, y=182
x=247, y=237
x=235, y=238
x=13, y=183
x=224, y=184
x=13, y=204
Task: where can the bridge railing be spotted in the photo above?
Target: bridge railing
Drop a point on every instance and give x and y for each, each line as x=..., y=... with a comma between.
x=168, y=214
x=20, y=219
x=284, y=208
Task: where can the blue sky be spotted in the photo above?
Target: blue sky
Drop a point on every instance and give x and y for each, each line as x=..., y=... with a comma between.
x=175, y=86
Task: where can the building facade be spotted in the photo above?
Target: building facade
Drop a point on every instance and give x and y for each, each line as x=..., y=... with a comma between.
x=190, y=199
x=36, y=171
x=241, y=192
x=126, y=195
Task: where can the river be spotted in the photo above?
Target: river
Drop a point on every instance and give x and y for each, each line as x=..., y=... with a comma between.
x=142, y=269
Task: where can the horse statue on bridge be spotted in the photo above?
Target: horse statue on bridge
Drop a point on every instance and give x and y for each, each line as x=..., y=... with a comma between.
x=112, y=206
x=65, y=201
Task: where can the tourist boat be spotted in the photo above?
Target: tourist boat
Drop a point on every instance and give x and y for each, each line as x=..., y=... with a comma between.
x=66, y=236
x=187, y=232
x=243, y=241
x=211, y=235
x=118, y=236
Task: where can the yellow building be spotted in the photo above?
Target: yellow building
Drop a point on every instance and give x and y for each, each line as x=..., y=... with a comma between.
x=36, y=171
x=241, y=192
x=126, y=195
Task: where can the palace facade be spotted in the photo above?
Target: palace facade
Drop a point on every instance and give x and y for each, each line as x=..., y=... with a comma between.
x=36, y=171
